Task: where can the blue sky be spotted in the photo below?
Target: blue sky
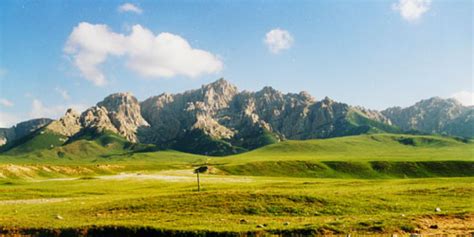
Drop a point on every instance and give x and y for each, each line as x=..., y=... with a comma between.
x=59, y=54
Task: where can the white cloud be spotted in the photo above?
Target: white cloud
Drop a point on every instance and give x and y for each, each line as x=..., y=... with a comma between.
x=158, y=56
x=63, y=93
x=128, y=7
x=39, y=110
x=90, y=45
x=465, y=97
x=412, y=10
x=5, y=102
x=7, y=120
x=278, y=40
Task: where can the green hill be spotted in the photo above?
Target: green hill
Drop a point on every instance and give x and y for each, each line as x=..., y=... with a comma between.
x=38, y=140
x=364, y=156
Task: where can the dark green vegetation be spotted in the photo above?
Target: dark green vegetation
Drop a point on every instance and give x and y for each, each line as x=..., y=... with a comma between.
x=354, y=123
x=376, y=183
x=365, y=170
x=197, y=142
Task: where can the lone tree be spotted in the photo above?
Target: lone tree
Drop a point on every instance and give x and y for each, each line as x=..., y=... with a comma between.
x=201, y=169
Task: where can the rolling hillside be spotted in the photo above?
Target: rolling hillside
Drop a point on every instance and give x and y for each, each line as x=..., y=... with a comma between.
x=363, y=156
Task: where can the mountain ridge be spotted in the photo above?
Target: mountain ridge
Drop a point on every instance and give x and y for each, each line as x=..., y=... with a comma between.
x=218, y=119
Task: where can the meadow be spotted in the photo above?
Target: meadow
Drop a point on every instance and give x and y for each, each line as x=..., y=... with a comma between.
x=369, y=184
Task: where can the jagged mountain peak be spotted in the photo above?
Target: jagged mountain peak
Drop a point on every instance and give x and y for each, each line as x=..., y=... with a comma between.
x=218, y=119
x=68, y=125
x=221, y=88
x=327, y=99
x=306, y=96
x=438, y=101
x=71, y=112
x=269, y=90
x=119, y=113
x=219, y=83
x=218, y=94
x=117, y=99
x=433, y=115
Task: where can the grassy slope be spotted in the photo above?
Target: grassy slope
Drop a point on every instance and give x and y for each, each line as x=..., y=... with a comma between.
x=89, y=154
x=373, y=147
x=365, y=156
x=38, y=140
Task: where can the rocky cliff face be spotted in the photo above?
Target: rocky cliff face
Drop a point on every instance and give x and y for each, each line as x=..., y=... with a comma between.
x=462, y=125
x=172, y=116
x=124, y=114
x=118, y=113
x=68, y=125
x=434, y=115
x=220, y=111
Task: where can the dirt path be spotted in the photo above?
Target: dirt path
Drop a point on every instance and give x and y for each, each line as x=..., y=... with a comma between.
x=33, y=201
x=167, y=175
x=176, y=176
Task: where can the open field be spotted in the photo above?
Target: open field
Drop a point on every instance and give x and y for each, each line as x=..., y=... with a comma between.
x=169, y=201
x=370, y=184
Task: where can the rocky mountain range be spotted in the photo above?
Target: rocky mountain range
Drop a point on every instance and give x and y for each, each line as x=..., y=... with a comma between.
x=218, y=119
x=434, y=116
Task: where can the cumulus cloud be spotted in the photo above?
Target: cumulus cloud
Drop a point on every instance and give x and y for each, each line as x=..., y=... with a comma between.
x=39, y=110
x=128, y=7
x=278, y=40
x=7, y=120
x=465, y=97
x=6, y=103
x=412, y=10
x=63, y=93
x=154, y=56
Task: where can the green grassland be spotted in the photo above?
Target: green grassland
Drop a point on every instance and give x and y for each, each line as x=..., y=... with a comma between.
x=236, y=205
x=376, y=183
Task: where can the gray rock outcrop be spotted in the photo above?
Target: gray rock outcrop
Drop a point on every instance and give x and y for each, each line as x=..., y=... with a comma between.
x=68, y=125
x=434, y=115
x=118, y=113
x=222, y=112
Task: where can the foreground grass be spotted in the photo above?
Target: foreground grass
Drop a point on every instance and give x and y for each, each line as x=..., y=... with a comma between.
x=240, y=204
x=372, y=184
